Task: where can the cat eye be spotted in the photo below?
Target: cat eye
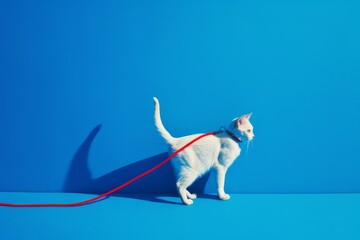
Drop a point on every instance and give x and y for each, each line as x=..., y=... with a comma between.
x=248, y=130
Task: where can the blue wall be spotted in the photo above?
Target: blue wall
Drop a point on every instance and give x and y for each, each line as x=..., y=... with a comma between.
x=77, y=78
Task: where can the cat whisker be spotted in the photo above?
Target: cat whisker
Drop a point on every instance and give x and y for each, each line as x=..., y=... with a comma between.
x=247, y=148
x=252, y=146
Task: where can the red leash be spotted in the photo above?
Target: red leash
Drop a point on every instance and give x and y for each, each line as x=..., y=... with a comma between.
x=91, y=200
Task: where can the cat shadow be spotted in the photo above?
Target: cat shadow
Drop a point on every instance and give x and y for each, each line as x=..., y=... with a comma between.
x=155, y=187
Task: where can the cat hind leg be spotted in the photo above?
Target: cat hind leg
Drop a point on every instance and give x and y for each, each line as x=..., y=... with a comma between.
x=191, y=195
x=186, y=178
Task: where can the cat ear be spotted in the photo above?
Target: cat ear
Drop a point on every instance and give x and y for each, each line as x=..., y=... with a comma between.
x=241, y=120
x=247, y=116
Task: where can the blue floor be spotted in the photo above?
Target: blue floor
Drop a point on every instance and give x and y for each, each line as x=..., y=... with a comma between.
x=245, y=216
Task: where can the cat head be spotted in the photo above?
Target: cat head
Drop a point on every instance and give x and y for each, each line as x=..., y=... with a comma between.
x=243, y=125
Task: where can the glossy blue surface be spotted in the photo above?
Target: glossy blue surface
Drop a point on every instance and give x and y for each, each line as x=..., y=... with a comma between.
x=254, y=216
x=67, y=67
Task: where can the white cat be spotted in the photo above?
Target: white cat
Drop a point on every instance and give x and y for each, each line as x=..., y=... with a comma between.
x=216, y=152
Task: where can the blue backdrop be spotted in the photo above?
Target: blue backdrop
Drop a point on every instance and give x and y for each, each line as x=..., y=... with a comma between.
x=77, y=80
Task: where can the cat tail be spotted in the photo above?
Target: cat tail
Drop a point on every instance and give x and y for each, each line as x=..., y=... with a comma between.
x=159, y=125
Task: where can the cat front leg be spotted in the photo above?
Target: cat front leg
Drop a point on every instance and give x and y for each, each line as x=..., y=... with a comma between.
x=220, y=177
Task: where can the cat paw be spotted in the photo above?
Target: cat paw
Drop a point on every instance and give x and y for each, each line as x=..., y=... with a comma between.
x=225, y=197
x=192, y=196
x=188, y=202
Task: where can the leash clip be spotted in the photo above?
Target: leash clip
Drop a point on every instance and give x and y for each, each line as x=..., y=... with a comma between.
x=221, y=129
